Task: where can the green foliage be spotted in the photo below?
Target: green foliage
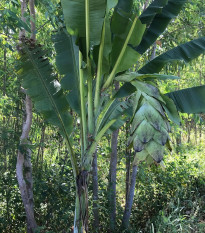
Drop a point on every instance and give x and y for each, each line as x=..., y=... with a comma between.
x=171, y=200
x=185, y=52
x=160, y=21
x=95, y=28
x=108, y=50
x=75, y=16
x=67, y=64
x=190, y=100
x=36, y=70
x=54, y=198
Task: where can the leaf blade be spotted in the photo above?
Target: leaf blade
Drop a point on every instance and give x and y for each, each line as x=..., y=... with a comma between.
x=189, y=100
x=184, y=52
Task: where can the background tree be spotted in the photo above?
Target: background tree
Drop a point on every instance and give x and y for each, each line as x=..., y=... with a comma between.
x=24, y=165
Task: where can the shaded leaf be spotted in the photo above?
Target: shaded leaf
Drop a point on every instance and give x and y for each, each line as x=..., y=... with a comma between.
x=150, y=12
x=67, y=64
x=190, y=100
x=44, y=90
x=74, y=14
x=128, y=77
x=184, y=52
x=159, y=23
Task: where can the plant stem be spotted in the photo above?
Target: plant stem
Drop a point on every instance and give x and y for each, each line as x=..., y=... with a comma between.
x=90, y=91
x=81, y=205
x=82, y=103
x=112, y=176
x=87, y=22
x=88, y=159
x=112, y=180
x=112, y=74
x=130, y=197
x=95, y=193
x=99, y=71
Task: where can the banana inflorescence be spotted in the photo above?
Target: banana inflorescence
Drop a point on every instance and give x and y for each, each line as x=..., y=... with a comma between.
x=150, y=127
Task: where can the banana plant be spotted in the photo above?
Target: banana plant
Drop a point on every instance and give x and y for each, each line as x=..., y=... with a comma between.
x=101, y=41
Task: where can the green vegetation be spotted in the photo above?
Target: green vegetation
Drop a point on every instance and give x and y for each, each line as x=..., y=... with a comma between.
x=101, y=117
x=166, y=201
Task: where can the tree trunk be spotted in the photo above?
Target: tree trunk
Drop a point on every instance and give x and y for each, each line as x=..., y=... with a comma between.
x=81, y=205
x=200, y=132
x=128, y=160
x=24, y=161
x=112, y=176
x=188, y=129
x=127, y=181
x=23, y=165
x=41, y=147
x=33, y=18
x=153, y=51
x=178, y=141
x=128, y=206
x=112, y=181
x=195, y=132
x=4, y=120
x=95, y=194
x=23, y=11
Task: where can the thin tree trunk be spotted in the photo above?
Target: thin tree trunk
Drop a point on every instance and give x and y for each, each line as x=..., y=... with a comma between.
x=95, y=193
x=127, y=181
x=33, y=18
x=24, y=166
x=128, y=160
x=112, y=181
x=4, y=120
x=112, y=176
x=24, y=161
x=128, y=205
x=5, y=69
x=200, y=132
x=195, y=131
x=188, y=129
x=200, y=83
x=178, y=141
x=41, y=147
x=153, y=51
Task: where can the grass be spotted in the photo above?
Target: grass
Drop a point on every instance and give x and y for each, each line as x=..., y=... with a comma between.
x=173, y=200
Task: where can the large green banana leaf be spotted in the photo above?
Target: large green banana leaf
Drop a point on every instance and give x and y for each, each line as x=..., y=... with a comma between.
x=105, y=47
x=125, y=5
x=111, y=4
x=159, y=23
x=44, y=90
x=128, y=77
x=190, y=100
x=75, y=14
x=127, y=31
x=184, y=52
x=154, y=8
x=67, y=64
